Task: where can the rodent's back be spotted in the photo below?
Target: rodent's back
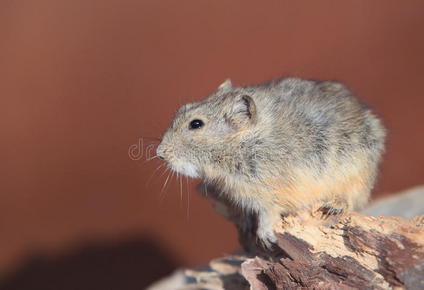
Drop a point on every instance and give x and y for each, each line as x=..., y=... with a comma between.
x=319, y=134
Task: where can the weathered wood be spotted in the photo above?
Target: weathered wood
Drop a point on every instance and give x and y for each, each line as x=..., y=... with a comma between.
x=343, y=252
x=350, y=251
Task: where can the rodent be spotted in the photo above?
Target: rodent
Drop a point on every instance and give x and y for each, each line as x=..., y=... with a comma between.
x=279, y=147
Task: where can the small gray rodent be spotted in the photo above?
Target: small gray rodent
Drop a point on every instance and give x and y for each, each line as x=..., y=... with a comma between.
x=279, y=147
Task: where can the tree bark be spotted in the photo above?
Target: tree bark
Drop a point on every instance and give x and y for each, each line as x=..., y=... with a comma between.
x=342, y=252
x=316, y=251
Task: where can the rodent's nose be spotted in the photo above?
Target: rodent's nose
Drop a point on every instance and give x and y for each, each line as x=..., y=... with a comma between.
x=160, y=152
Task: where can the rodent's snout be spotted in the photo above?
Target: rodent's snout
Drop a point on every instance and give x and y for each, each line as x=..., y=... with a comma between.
x=160, y=152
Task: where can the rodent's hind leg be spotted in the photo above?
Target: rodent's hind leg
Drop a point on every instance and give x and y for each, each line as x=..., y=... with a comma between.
x=248, y=222
x=334, y=207
x=267, y=220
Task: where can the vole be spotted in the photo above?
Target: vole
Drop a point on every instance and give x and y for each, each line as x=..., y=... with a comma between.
x=279, y=147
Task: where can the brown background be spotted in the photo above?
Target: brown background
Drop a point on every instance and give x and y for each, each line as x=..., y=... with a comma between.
x=82, y=80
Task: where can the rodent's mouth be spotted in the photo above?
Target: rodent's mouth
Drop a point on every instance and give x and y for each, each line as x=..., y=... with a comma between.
x=176, y=160
x=185, y=168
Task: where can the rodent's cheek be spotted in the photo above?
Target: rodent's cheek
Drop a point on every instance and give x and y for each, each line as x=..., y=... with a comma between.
x=176, y=153
x=182, y=151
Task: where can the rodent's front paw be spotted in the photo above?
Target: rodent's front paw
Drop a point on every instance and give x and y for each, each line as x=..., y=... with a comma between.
x=266, y=238
x=329, y=210
x=267, y=220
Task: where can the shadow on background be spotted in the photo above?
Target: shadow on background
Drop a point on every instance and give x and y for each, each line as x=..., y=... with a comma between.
x=131, y=264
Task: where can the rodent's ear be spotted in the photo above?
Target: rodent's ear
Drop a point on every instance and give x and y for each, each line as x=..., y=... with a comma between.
x=225, y=86
x=243, y=112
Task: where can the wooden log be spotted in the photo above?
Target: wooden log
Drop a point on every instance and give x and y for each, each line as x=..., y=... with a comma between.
x=314, y=251
x=342, y=252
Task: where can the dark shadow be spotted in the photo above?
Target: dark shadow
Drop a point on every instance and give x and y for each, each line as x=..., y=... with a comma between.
x=128, y=265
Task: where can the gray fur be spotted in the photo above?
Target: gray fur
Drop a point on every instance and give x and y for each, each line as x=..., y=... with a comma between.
x=266, y=145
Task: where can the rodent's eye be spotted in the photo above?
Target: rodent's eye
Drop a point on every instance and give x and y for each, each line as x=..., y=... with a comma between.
x=196, y=124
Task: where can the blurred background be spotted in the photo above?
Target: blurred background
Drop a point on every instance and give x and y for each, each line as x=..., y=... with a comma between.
x=83, y=80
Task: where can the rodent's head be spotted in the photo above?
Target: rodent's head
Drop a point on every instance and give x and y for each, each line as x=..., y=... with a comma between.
x=204, y=137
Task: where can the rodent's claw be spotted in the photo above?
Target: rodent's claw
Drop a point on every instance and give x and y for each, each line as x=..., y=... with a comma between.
x=265, y=244
x=328, y=210
x=266, y=240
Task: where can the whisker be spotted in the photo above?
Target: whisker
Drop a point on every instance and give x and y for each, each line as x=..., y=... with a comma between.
x=181, y=188
x=206, y=188
x=172, y=176
x=162, y=193
x=166, y=181
x=163, y=173
x=168, y=184
x=153, y=173
x=188, y=199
